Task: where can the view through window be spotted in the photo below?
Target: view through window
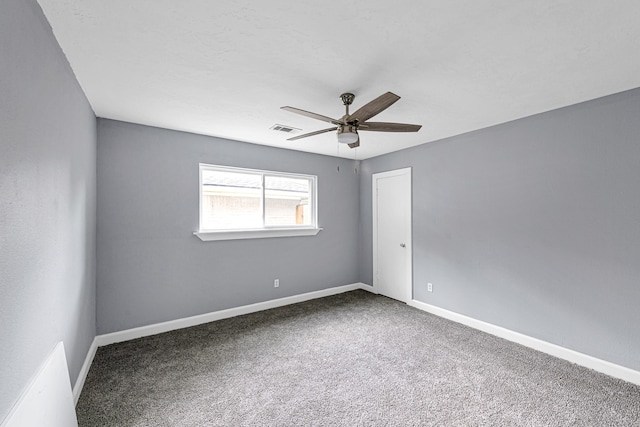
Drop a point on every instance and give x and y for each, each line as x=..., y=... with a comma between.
x=246, y=199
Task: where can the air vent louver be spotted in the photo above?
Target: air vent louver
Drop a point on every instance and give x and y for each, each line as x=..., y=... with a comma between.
x=284, y=128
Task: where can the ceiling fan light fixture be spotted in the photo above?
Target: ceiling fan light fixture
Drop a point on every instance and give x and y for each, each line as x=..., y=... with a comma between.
x=347, y=134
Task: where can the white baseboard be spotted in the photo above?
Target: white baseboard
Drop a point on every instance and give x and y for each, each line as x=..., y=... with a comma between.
x=84, y=371
x=172, y=325
x=587, y=361
x=186, y=322
x=599, y=365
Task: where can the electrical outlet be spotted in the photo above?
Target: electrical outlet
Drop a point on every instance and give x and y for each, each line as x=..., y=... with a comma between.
x=430, y=287
x=276, y=283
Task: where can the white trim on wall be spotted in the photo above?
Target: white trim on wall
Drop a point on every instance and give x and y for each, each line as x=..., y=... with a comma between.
x=84, y=371
x=143, y=331
x=573, y=356
x=186, y=322
x=209, y=236
x=587, y=361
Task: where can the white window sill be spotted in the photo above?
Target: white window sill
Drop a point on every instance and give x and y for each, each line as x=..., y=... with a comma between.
x=207, y=236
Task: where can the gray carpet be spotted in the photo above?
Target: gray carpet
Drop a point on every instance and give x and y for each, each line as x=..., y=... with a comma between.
x=354, y=359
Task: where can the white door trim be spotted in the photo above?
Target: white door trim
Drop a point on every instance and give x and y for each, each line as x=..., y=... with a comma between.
x=374, y=178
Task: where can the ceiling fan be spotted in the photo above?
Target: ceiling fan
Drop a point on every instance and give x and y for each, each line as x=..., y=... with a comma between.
x=349, y=125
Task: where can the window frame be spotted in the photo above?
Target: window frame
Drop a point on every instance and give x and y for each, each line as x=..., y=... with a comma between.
x=265, y=231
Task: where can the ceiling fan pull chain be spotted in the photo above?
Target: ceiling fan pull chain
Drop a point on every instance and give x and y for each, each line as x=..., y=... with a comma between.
x=356, y=162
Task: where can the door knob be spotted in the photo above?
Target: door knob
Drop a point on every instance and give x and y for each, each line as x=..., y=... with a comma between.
x=402, y=245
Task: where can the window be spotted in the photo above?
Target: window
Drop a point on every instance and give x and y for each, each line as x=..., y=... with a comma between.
x=245, y=203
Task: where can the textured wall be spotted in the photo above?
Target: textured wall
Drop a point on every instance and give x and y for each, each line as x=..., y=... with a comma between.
x=150, y=266
x=533, y=225
x=47, y=203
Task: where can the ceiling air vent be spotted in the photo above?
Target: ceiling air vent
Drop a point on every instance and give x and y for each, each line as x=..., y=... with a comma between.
x=286, y=129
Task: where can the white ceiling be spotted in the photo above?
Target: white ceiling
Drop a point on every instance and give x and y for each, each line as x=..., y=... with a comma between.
x=225, y=67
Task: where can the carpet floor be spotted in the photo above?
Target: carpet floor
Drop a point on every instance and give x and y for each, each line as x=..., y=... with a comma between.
x=354, y=359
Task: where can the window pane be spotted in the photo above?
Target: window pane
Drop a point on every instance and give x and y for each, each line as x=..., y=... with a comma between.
x=231, y=200
x=287, y=201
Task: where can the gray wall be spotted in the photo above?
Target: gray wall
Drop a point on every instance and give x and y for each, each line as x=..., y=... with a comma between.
x=533, y=225
x=150, y=266
x=47, y=203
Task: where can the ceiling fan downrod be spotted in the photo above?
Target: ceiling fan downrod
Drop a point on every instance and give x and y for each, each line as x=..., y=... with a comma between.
x=347, y=99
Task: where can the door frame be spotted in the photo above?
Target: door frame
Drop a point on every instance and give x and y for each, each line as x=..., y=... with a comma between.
x=409, y=246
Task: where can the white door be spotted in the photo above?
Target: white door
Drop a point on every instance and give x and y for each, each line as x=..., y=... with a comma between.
x=392, y=260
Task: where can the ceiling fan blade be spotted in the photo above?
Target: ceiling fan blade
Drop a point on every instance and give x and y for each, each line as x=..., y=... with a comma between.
x=389, y=127
x=374, y=107
x=312, y=115
x=318, y=132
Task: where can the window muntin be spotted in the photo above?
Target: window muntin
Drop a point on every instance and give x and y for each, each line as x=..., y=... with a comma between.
x=234, y=199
